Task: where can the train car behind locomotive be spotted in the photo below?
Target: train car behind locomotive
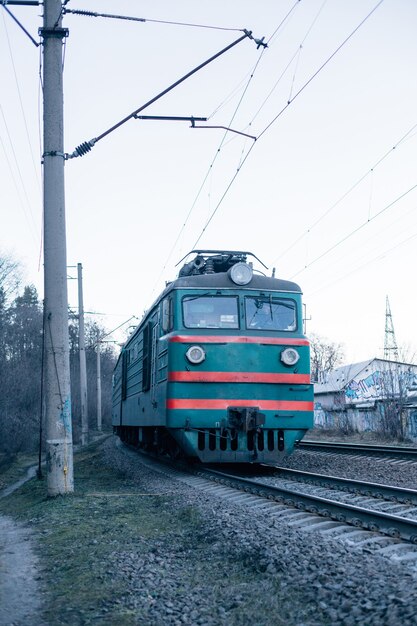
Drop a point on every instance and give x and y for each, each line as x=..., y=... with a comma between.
x=219, y=367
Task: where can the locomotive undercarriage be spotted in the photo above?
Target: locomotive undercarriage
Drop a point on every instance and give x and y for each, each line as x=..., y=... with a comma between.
x=225, y=445
x=151, y=439
x=209, y=445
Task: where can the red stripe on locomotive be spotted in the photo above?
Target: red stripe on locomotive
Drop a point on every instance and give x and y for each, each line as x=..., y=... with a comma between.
x=271, y=405
x=285, y=341
x=238, y=377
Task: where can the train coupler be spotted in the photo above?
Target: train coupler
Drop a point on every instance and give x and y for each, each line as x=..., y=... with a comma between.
x=245, y=418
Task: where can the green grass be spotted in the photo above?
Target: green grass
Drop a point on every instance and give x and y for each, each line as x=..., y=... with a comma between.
x=15, y=467
x=77, y=533
x=89, y=543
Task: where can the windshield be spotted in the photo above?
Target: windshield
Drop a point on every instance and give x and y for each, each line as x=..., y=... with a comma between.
x=268, y=313
x=210, y=312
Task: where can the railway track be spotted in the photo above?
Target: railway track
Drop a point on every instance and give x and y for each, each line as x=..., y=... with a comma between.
x=312, y=507
x=357, y=514
x=356, y=487
x=399, y=454
x=356, y=522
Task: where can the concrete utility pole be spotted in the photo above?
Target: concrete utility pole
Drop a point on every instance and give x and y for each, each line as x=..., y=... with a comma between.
x=59, y=459
x=98, y=386
x=83, y=364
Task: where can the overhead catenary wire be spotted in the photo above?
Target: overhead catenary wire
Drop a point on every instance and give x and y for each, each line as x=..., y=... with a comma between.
x=357, y=229
x=269, y=42
x=86, y=146
x=322, y=66
x=21, y=104
x=362, y=253
x=302, y=44
x=27, y=33
x=219, y=148
x=143, y=19
x=270, y=124
x=16, y=186
x=112, y=331
x=346, y=193
x=368, y=262
x=295, y=56
x=30, y=221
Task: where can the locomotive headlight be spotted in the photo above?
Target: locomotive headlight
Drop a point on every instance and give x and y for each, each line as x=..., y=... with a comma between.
x=241, y=273
x=195, y=355
x=290, y=356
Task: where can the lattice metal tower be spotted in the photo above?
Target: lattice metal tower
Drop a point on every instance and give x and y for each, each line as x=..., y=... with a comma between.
x=390, y=343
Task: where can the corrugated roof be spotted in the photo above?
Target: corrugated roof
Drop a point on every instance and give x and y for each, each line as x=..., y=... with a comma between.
x=341, y=376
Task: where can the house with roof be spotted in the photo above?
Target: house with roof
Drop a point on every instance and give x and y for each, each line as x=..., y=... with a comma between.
x=374, y=395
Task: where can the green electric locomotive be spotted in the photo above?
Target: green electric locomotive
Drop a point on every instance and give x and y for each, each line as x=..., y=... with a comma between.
x=219, y=368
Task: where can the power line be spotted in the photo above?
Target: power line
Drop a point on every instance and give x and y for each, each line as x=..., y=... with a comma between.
x=31, y=222
x=302, y=44
x=86, y=146
x=322, y=66
x=217, y=153
x=142, y=19
x=355, y=230
x=345, y=194
x=3, y=4
x=362, y=265
x=222, y=142
x=21, y=104
x=316, y=73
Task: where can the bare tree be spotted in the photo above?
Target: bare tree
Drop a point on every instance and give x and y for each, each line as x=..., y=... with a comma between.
x=10, y=275
x=108, y=360
x=21, y=343
x=325, y=355
x=20, y=369
x=394, y=383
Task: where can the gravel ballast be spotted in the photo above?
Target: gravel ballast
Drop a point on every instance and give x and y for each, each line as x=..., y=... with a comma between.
x=366, y=468
x=135, y=547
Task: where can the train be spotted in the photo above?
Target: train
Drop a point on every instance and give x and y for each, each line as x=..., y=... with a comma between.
x=218, y=370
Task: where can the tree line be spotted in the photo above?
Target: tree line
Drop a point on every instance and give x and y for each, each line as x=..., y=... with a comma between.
x=21, y=365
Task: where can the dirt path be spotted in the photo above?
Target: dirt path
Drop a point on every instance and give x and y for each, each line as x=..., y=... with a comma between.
x=19, y=593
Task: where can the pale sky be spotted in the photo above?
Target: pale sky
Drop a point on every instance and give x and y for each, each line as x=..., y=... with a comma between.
x=323, y=196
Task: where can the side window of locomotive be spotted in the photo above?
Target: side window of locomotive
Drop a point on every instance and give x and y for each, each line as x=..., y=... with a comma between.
x=268, y=313
x=210, y=312
x=167, y=315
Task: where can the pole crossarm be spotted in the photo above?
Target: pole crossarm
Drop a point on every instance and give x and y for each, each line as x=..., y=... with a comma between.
x=86, y=146
x=4, y=2
x=230, y=130
x=171, y=118
x=193, y=120
x=100, y=339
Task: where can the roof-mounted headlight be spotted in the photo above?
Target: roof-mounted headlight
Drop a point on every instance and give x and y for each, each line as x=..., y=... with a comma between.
x=195, y=355
x=241, y=273
x=290, y=356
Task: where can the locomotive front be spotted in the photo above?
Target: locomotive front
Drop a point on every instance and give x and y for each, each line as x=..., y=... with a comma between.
x=238, y=364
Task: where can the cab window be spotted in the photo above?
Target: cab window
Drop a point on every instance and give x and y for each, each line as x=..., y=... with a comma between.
x=269, y=313
x=210, y=311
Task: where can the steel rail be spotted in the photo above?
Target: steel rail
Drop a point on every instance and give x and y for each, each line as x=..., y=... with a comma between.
x=386, y=492
x=397, y=451
x=376, y=521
